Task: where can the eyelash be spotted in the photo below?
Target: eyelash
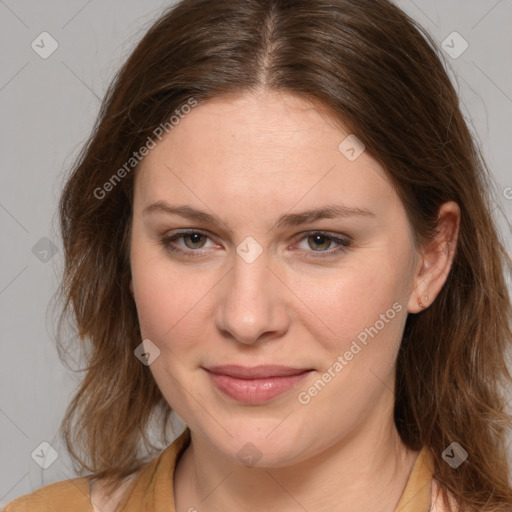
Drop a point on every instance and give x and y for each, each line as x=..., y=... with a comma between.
x=343, y=244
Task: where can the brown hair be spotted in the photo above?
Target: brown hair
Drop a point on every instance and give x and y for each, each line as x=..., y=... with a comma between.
x=382, y=77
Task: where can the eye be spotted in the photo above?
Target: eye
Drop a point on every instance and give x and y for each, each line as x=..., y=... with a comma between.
x=193, y=240
x=318, y=241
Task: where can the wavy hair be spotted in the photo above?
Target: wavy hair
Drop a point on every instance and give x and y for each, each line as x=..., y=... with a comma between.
x=383, y=77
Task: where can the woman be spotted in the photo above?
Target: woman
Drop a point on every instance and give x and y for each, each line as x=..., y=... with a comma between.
x=280, y=229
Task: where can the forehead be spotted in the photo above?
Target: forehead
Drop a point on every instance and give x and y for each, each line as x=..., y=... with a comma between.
x=270, y=150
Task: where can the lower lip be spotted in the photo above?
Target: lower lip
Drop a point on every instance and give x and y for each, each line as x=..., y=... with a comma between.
x=255, y=391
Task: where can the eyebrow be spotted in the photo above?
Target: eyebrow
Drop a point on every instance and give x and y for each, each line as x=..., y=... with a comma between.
x=330, y=211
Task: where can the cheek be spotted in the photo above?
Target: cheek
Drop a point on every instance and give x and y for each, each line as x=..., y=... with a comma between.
x=167, y=299
x=359, y=321
x=342, y=305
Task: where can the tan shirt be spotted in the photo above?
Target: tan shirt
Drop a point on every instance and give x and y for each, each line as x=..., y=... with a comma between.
x=152, y=488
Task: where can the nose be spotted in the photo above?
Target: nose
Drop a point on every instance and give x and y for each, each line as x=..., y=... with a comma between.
x=253, y=303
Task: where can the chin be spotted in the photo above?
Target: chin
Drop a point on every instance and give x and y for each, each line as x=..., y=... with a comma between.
x=260, y=443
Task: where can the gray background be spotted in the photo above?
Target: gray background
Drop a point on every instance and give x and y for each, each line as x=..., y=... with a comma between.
x=48, y=107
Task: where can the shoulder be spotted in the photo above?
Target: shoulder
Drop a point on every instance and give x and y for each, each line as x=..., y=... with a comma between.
x=88, y=495
x=56, y=497
x=82, y=494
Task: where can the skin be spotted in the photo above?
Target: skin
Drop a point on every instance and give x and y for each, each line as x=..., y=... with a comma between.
x=248, y=160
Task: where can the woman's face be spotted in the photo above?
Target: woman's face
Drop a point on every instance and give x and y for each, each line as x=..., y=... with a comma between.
x=256, y=283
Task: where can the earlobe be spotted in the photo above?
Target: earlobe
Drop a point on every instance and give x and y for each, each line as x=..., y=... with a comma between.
x=437, y=259
x=420, y=302
x=421, y=295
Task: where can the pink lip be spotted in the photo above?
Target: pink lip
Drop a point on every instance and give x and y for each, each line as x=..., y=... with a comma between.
x=257, y=384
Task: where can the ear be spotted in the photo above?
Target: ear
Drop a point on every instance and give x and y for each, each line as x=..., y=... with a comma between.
x=436, y=259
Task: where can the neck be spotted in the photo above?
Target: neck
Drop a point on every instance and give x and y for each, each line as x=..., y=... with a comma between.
x=367, y=471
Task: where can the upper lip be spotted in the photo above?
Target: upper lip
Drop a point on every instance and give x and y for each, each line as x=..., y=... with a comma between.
x=255, y=372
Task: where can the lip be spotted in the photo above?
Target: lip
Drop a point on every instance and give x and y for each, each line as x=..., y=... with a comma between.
x=255, y=385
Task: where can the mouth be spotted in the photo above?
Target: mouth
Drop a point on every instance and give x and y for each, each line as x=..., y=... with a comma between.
x=255, y=385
